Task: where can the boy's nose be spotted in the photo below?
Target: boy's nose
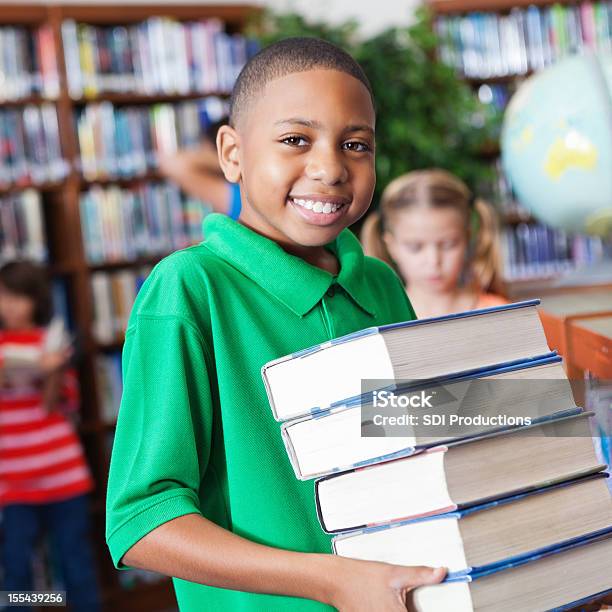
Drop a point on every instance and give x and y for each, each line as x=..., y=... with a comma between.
x=327, y=167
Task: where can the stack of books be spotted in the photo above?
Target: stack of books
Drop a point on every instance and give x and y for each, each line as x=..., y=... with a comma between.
x=511, y=499
x=484, y=45
x=156, y=56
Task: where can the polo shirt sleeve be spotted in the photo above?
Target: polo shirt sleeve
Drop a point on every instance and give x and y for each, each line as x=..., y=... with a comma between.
x=163, y=433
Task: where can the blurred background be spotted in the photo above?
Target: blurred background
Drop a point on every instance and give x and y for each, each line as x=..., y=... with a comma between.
x=107, y=115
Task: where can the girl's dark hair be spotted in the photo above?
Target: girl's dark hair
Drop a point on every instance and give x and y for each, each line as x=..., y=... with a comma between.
x=30, y=280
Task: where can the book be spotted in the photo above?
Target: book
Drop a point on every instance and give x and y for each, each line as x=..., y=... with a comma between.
x=109, y=384
x=534, y=250
x=22, y=230
x=30, y=152
x=561, y=579
x=147, y=219
x=481, y=45
x=479, y=538
x=156, y=56
x=459, y=475
x=113, y=297
x=125, y=141
x=28, y=63
x=333, y=441
x=465, y=341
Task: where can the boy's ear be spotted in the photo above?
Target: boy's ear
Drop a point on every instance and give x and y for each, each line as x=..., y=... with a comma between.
x=228, y=148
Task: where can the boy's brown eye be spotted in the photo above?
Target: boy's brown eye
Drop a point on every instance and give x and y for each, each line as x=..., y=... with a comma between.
x=296, y=141
x=359, y=147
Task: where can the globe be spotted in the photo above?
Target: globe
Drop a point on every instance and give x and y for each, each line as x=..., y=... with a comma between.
x=556, y=144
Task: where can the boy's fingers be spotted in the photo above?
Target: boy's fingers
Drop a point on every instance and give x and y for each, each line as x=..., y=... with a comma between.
x=421, y=575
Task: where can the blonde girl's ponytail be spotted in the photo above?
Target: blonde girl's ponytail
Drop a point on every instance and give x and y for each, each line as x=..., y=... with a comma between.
x=371, y=237
x=486, y=258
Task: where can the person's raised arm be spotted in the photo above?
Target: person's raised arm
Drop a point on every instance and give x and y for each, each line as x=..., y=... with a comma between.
x=197, y=173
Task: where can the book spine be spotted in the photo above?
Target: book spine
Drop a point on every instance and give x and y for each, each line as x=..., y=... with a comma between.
x=124, y=224
x=22, y=230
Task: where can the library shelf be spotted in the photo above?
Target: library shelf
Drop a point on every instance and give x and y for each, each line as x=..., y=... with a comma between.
x=61, y=212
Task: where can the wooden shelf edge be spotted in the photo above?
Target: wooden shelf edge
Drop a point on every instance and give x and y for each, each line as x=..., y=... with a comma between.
x=144, y=98
x=234, y=14
x=16, y=187
x=445, y=7
x=127, y=263
x=37, y=100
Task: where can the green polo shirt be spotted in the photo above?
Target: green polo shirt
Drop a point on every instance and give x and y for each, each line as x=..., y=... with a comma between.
x=195, y=432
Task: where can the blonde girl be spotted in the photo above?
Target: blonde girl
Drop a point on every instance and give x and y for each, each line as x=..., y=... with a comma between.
x=440, y=239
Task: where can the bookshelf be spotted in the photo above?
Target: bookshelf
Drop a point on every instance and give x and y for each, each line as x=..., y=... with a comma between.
x=60, y=197
x=494, y=45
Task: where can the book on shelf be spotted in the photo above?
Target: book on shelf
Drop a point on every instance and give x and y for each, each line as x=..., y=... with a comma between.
x=562, y=579
x=61, y=304
x=31, y=151
x=480, y=401
x=459, y=475
x=157, y=56
x=453, y=343
x=22, y=230
x=109, y=384
x=534, y=250
x=28, y=63
x=487, y=45
x=491, y=534
x=125, y=141
x=149, y=219
x=114, y=294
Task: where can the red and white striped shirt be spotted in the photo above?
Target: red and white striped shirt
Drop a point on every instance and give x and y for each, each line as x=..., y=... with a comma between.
x=41, y=458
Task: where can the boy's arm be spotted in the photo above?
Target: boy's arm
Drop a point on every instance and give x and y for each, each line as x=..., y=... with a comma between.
x=195, y=549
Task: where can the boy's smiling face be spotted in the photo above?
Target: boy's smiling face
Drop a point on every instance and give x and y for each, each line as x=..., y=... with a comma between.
x=304, y=154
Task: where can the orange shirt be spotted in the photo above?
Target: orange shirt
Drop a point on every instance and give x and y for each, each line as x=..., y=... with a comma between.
x=488, y=300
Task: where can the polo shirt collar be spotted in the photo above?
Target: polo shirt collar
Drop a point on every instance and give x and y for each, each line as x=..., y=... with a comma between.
x=280, y=273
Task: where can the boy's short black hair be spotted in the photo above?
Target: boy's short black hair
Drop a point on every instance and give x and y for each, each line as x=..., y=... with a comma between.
x=286, y=57
x=29, y=280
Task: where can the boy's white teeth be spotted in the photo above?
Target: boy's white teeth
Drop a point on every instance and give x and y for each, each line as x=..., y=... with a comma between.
x=318, y=207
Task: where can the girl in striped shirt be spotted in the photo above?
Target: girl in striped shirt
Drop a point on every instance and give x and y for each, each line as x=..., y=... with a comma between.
x=44, y=478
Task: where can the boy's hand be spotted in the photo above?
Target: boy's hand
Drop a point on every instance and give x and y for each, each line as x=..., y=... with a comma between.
x=380, y=587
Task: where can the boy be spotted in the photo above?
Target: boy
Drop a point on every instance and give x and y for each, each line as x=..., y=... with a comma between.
x=200, y=485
